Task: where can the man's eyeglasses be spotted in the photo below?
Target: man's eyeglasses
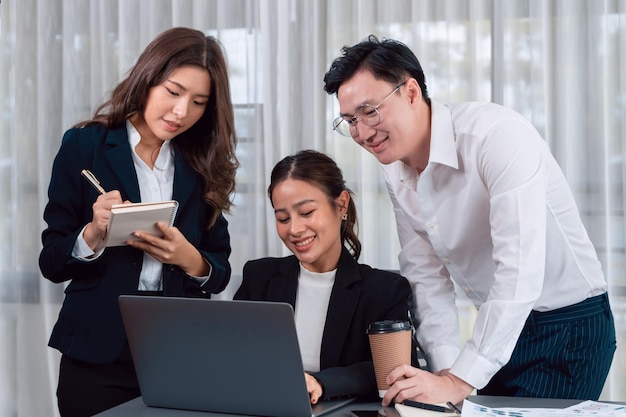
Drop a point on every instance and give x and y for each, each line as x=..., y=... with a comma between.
x=365, y=113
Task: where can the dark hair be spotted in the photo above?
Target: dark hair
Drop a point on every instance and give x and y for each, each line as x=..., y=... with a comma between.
x=209, y=145
x=386, y=59
x=320, y=170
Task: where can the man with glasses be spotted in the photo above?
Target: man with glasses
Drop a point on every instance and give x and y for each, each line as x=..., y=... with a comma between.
x=481, y=203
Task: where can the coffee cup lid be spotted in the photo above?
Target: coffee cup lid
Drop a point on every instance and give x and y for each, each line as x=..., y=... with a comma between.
x=387, y=326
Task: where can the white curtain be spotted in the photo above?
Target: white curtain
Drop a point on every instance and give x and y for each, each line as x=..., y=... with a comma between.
x=561, y=63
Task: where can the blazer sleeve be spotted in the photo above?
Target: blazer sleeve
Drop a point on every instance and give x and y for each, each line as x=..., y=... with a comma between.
x=67, y=211
x=215, y=248
x=357, y=380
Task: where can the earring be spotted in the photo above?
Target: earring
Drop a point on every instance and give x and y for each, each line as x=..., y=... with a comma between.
x=344, y=216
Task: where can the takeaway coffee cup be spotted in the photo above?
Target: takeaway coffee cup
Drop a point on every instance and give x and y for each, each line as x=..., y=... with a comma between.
x=390, y=341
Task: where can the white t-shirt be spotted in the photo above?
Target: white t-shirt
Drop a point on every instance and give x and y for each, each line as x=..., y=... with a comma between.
x=312, y=300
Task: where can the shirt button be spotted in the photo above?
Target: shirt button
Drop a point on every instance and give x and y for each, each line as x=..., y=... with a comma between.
x=431, y=225
x=447, y=261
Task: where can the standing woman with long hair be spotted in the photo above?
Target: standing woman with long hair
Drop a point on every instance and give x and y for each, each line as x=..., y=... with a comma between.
x=166, y=133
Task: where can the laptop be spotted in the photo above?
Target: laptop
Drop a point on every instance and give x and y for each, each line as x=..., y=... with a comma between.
x=220, y=356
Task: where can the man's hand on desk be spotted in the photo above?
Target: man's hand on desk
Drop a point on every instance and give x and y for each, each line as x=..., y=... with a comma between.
x=409, y=383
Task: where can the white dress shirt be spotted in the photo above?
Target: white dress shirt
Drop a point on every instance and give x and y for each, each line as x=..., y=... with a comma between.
x=493, y=211
x=155, y=184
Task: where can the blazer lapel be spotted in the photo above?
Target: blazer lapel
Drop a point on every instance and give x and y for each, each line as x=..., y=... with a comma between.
x=343, y=302
x=118, y=153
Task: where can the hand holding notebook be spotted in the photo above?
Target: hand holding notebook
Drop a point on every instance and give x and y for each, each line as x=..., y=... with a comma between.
x=131, y=217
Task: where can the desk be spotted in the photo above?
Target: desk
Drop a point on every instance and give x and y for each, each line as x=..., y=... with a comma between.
x=136, y=407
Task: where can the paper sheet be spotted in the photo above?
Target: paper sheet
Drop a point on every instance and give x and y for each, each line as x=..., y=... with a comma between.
x=582, y=409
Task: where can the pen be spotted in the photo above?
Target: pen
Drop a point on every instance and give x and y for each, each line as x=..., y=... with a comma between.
x=92, y=180
x=425, y=406
x=454, y=407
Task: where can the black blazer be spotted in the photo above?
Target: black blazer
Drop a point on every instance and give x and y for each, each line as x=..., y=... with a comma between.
x=361, y=295
x=89, y=327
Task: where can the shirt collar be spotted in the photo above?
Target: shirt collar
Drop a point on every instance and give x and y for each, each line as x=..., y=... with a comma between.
x=442, y=138
x=134, y=137
x=133, y=134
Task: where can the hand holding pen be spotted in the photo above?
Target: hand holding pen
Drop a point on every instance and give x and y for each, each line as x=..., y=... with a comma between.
x=96, y=230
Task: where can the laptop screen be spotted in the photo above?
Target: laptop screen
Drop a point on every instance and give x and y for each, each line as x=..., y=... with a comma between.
x=227, y=356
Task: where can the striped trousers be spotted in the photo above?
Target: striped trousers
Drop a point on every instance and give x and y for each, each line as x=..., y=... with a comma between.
x=563, y=353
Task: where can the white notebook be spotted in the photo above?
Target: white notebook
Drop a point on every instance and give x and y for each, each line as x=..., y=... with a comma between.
x=128, y=218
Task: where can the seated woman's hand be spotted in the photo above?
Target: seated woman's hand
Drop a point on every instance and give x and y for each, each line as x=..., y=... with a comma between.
x=314, y=388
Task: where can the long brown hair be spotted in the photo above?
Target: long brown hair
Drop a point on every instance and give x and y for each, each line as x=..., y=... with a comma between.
x=209, y=145
x=320, y=170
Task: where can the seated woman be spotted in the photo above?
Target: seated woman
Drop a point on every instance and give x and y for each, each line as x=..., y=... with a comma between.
x=334, y=297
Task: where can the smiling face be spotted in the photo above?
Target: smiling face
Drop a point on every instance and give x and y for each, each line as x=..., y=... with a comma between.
x=404, y=129
x=309, y=224
x=175, y=105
